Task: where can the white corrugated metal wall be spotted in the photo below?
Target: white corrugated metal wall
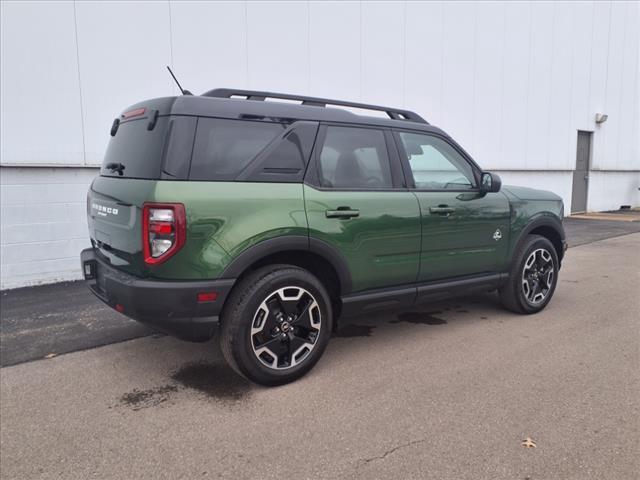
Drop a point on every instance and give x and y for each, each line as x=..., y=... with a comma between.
x=512, y=81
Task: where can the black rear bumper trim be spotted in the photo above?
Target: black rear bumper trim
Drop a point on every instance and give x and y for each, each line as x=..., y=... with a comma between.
x=168, y=306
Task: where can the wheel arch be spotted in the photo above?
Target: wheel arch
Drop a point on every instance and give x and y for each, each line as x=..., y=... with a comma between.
x=317, y=256
x=546, y=226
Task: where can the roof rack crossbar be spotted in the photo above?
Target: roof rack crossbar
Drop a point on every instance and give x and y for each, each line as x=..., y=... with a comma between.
x=394, y=113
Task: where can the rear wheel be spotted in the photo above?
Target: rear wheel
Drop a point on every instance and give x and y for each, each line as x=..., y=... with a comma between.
x=276, y=324
x=533, y=276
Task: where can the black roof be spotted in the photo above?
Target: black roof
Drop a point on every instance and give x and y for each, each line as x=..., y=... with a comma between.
x=249, y=104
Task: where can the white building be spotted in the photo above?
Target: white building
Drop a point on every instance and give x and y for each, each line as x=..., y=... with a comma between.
x=512, y=82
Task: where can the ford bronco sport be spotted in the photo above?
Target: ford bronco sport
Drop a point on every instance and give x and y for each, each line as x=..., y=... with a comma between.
x=275, y=218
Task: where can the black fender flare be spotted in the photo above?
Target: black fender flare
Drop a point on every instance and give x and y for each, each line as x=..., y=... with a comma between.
x=288, y=243
x=543, y=220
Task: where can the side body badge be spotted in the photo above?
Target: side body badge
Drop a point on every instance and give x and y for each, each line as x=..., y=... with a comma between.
x=497, y=235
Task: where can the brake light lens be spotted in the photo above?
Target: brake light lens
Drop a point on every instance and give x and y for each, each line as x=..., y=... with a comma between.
x=164, y=231
x=133, y=113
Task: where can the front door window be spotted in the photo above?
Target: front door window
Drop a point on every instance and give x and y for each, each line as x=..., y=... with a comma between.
x=435, y=164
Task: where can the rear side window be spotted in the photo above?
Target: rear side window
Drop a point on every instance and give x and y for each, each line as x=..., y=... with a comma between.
x=284, y=160
x=135, y=151
x=223, y=148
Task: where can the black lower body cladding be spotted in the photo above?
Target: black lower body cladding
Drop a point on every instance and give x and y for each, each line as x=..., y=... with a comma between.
x=171, y=307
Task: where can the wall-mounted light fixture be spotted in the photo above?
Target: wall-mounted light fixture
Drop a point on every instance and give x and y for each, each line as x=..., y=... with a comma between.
x=601, y=117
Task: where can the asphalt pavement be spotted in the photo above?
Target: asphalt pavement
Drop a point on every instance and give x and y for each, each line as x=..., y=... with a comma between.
x=66, y=317
x=447, y=392
x=59, y=318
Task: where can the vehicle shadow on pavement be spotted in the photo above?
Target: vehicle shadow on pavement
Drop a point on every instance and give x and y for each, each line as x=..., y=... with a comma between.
x=471, y=308
x=200, y=367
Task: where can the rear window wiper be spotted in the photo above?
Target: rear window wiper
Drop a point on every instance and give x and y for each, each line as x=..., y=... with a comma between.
x=115, y=167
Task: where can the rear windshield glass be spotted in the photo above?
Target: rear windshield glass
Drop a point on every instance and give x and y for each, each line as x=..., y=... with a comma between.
x=224, y=147
x=135, y=152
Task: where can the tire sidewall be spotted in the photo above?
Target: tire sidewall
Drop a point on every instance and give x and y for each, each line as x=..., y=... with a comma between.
x=246, y=359
x=533, y=244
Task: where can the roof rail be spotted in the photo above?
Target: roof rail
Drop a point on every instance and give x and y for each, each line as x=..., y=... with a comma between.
x=394, y=113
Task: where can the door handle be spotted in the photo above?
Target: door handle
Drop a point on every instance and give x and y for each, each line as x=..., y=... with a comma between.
x=342, y=212
x=442, y=210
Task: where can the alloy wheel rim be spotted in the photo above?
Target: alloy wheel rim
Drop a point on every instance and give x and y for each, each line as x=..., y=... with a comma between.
x=285, y=328
x=537, y=276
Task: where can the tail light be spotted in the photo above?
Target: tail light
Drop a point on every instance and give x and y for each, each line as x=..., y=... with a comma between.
x=163, y=231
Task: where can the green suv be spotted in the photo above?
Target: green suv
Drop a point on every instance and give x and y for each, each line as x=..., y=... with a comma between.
x=275, y=218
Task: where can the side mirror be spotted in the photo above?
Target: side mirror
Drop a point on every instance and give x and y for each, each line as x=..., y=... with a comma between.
x=490, y=182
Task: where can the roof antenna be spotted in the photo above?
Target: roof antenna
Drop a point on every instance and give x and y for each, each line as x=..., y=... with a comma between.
x=184, y=92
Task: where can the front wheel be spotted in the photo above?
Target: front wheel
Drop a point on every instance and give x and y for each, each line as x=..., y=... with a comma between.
x=276, y=324
x=533, y=276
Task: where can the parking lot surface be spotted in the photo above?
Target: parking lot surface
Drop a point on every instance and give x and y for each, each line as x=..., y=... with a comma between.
x=66, y=317
x=447, y=392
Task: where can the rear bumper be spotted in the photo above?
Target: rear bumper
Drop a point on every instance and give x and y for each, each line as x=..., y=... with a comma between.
x=169, y=306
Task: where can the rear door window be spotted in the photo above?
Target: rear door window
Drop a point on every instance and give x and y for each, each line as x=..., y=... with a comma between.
x=135, y=151
x=353, y=157
x=223, y=148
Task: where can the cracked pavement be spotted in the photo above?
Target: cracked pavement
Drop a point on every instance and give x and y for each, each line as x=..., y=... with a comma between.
x=446, y=392
x=393, y=450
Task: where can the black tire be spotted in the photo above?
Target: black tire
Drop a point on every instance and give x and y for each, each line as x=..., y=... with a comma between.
x=514, y=294
x=252, y=303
